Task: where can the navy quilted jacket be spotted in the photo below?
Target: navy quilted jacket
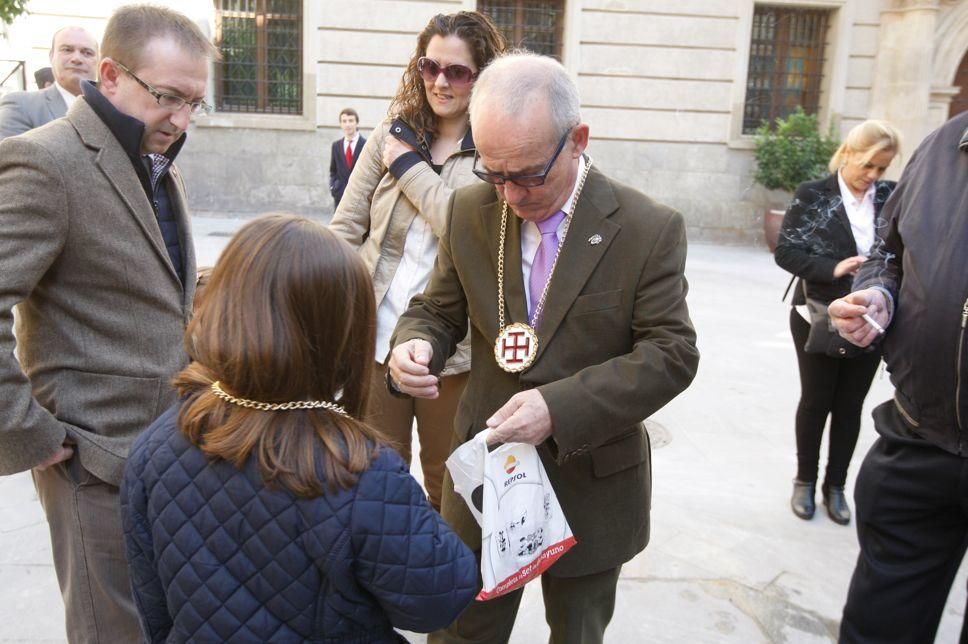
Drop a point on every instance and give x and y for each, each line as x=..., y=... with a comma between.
x=215, y=556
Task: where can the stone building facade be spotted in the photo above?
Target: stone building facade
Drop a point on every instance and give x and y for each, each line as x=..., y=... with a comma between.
x=666, y=87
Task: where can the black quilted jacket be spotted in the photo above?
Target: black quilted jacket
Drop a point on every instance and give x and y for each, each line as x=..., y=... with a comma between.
x=215, y=556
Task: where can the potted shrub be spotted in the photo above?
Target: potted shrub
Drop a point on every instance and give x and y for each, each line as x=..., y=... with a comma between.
x=787, y=154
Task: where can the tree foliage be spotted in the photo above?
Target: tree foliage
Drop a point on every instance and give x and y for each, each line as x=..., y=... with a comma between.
x=10, y=9
x=791, y=152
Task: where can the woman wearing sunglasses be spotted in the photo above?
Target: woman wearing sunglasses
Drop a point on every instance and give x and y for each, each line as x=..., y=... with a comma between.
x=394, y=211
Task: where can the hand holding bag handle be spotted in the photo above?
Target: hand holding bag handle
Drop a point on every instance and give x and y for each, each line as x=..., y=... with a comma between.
x=823, y=337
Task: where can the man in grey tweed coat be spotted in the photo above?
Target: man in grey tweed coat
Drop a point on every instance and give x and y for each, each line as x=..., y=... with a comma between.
x=96, y=254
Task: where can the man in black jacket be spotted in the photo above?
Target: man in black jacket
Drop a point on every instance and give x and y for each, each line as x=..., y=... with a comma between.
x=912, y=490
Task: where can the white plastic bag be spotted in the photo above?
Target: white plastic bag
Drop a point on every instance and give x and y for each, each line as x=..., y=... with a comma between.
x=523, y=530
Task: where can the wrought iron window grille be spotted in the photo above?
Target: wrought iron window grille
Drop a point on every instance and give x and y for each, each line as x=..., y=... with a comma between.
x=537, y=25
x=786, y=63
x=261, y=42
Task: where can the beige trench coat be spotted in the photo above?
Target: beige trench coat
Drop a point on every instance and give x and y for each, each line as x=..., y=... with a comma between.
x=377, y=210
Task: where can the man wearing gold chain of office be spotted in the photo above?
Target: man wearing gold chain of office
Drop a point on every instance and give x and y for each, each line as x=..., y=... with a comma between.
x=574, y=290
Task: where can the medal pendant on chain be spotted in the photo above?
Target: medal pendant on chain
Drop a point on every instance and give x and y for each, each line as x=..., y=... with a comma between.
x=516, y=347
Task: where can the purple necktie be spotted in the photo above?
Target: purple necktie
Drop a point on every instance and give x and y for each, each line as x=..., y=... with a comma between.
x=543, y=259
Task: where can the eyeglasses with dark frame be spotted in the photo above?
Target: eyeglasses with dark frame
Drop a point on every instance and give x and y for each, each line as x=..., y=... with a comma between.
x=457, y=75
x=523, y=180
x=170, y=101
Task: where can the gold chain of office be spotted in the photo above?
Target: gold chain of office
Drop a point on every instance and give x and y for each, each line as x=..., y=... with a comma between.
x=561, y=243
x=286, y=406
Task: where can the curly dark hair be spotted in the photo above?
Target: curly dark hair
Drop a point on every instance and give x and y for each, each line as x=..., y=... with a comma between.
x=482, y=38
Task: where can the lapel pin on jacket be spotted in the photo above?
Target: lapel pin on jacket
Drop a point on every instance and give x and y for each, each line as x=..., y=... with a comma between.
x=595, y=239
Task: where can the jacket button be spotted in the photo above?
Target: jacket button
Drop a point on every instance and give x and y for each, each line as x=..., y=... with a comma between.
x=397, y=129
x=842, y=351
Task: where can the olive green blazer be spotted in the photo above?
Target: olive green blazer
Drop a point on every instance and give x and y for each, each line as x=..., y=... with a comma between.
x=615, y=345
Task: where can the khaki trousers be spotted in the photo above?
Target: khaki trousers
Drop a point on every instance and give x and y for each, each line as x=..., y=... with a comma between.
x=576, y=608
x=394, y=417
x=84, y=515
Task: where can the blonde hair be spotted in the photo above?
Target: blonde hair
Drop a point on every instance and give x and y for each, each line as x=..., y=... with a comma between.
x=869, y=138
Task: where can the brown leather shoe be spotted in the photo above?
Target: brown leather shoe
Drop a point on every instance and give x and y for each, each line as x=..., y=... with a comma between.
x=802, y=501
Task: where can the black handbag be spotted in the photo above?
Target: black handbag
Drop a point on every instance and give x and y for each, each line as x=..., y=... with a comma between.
x=823, y=337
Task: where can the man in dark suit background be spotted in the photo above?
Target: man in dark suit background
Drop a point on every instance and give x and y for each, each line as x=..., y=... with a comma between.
x=345, y=152
x=73, y=58
x=612, y=340
x=97, y=257
x=44, y=77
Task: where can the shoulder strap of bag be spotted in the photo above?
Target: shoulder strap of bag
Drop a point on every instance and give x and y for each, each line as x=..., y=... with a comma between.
x=785, y=292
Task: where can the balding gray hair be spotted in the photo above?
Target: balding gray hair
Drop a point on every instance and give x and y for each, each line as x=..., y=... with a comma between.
x=516, y=80
x=53, y=39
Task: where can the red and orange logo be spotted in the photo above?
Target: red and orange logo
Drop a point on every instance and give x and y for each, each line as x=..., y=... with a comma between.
x=510, y=464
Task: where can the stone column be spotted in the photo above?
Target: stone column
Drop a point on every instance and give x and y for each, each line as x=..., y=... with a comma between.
x=941, y=98
x=901, y=91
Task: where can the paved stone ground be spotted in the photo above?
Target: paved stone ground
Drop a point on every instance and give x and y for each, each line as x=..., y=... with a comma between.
x=728, y=561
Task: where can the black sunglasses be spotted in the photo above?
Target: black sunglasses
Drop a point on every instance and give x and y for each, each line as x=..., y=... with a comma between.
x=523, y=180
x=457, y=75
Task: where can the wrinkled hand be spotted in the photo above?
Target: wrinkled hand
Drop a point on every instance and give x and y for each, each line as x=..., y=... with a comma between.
x=410, y=369
x=523, y=419
x=393, y=148
x=849, y=266
x=63, y=453
x=846, y=312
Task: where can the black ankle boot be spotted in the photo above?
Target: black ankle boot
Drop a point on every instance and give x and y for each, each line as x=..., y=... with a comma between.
x=836, y=502
x=802, y=501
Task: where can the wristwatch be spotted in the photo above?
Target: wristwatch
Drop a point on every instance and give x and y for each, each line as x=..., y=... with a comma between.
x=392, y=387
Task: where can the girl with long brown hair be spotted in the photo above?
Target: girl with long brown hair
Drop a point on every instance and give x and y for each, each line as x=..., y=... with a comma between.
x=260, y=507
x=395, y=209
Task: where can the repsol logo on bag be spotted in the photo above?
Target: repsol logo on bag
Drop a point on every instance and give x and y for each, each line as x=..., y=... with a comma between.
x=510, y=465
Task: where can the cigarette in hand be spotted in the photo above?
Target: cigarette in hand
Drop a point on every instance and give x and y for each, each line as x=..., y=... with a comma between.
x=870, y=321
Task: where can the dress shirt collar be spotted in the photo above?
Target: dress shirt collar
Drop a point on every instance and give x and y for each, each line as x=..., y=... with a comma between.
x=67, y=96
x=531, y=228
x=571, y=198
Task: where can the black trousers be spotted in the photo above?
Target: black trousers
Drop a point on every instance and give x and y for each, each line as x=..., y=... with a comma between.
x=912, y=524
x=828, y=386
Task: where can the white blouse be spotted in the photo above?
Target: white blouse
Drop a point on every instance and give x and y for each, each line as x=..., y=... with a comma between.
x=860, y=212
